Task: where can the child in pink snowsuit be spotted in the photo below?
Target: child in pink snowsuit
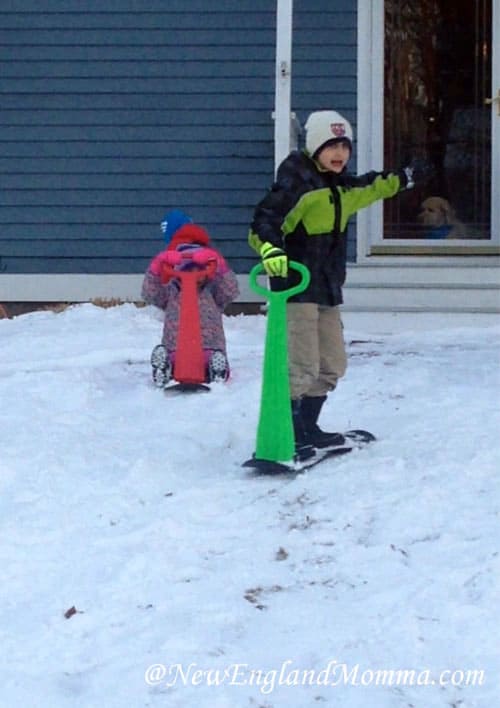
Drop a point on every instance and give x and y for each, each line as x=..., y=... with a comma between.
x=192, y=243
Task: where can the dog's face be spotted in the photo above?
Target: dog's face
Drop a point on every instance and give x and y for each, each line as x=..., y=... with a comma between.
x=436, y=211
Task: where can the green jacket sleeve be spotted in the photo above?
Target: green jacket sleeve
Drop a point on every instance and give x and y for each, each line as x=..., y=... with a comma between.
x=368, y=189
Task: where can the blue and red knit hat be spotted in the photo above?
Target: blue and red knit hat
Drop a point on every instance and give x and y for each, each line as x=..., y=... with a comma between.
x=172, y=222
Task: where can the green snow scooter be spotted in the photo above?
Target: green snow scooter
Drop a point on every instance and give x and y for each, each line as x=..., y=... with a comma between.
x=275, y=436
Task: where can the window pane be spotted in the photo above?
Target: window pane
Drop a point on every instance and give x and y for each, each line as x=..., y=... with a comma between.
x=437, y=75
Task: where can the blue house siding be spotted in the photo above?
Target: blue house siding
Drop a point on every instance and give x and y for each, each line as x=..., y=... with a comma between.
x=110, y=117
x=324, y=66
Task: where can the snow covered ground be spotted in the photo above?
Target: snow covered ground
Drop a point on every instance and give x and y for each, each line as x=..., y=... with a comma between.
x=370, y=582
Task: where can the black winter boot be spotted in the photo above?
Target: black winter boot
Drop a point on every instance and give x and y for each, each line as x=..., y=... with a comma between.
x=162, y=366
x=303, y=448
x=310, y=409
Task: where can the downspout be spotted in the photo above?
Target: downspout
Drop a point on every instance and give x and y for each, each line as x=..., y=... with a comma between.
x=284, y=134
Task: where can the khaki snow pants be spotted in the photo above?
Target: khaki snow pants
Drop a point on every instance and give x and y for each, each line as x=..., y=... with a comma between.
x=316, y=351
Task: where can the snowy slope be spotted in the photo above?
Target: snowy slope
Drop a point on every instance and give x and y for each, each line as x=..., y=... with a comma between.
x=133, y=509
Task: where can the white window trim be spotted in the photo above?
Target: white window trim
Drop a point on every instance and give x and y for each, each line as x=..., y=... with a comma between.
x=495, y=117
x=370, y=92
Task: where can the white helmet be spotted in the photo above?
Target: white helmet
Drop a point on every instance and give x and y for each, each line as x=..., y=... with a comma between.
x=324, y=127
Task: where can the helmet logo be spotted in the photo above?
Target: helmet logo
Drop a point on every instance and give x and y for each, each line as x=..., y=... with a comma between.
x=338, y=129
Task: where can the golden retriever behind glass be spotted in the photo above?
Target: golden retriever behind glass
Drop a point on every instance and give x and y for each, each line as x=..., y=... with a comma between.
x=438, y=214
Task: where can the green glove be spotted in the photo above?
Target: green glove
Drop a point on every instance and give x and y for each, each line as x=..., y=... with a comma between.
x=274, y=260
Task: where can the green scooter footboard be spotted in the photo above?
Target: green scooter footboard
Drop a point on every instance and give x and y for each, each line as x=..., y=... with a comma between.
x=275, y=437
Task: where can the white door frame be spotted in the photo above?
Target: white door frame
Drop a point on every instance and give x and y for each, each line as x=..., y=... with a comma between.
x=283, y=81
x=495, y=126
x=370, y=147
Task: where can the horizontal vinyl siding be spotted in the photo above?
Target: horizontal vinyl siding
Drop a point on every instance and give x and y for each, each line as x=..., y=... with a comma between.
x=324, y=57
x=110, y=117
x=324, y=66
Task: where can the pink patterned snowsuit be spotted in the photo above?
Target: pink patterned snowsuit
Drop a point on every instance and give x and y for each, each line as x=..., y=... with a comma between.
x=213, y=296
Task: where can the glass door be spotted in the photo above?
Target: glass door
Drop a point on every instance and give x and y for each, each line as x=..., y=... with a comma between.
x=441, y=103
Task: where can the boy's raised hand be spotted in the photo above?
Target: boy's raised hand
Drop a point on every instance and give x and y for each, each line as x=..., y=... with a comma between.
x=274, y=260
x=418, y=171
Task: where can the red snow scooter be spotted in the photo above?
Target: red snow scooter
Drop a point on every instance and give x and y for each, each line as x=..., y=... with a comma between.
x=189, y=365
